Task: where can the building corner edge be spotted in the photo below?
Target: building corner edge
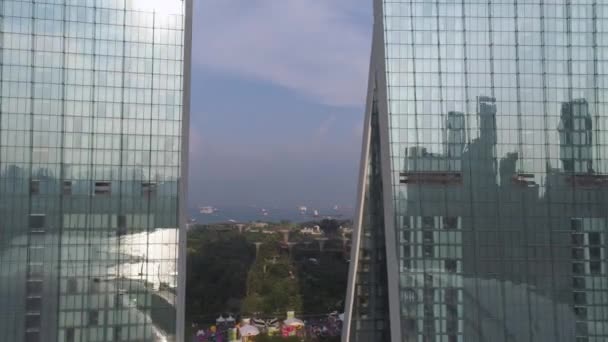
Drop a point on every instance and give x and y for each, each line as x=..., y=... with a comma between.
x=183, y=184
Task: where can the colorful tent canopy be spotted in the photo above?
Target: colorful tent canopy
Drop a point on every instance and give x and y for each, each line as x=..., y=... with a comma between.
x=249, y=330
x=294, y=322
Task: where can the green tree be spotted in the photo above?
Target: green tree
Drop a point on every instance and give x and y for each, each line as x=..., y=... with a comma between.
x=329, y=226
x=272, y=287
x=217, y=267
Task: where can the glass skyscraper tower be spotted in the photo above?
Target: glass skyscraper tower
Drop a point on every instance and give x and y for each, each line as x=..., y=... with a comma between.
x=93, y=124
x=483, y=202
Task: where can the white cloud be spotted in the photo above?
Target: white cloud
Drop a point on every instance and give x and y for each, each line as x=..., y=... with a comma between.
x=319, y=48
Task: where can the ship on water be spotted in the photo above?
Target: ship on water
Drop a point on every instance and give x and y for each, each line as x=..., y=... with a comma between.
x=208, y=210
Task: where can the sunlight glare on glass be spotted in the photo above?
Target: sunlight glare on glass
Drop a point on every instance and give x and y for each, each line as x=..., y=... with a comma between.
x=159, y=6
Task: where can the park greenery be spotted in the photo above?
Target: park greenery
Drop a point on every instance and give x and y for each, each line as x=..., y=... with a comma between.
x=217, y=266
x=226, y=275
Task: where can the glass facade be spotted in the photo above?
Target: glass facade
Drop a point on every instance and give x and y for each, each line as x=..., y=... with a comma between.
x=493, y=159
x=91, y=165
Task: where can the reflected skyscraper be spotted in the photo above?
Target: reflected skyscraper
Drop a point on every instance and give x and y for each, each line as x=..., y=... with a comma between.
x=484, y=176
x=456, y=139
x=576, y=137
x=94, y=102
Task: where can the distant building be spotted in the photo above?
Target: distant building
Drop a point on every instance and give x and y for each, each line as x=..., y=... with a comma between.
x=315, y=230
x=345, y=230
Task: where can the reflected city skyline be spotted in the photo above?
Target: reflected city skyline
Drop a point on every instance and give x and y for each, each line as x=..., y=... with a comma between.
x=492, y=175
x=515, y=256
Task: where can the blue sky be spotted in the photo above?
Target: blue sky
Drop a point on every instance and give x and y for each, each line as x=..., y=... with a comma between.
x=278, y=95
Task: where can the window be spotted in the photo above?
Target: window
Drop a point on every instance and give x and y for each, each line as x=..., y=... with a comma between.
x=594, y=239
x=35, y=271
x=578, y=254
x=428, y=280
x=103, y=188
x=578, y=283
x=428, y=222
x=595, y=253
x=408, y=296
x=405, y=236
x=578, y=268
x=69, y=335
x=451, y=265
x=37, y=239
x=34, y=288
x=67, y=188
x=580, y=312
x=578, y=239
x=427, y=236
x=117, y=333
x=581, y=328
x=451, y=296
x=595, y=267
x=33, y=304
x=34, y=187
x=94, y=286
x=451, y=223
x=32, y=336
x=72, y=286
x=148, y=189
x=580, y=298
x=37, y=221
x=32, y=321
x=410, y=325
x=121, y=225
x=93, y=317
x=576, y=224
x=119, y=298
